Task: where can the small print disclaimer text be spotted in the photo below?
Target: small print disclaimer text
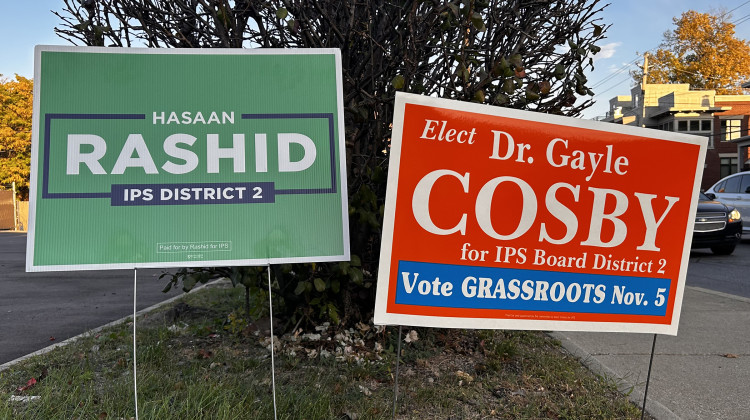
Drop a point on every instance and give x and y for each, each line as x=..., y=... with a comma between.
x=205, y=246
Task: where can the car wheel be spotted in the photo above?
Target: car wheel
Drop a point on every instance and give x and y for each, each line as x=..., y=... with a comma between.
x=723, y=249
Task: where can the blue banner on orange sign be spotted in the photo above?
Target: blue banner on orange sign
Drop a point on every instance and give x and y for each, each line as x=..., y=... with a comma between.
x=459, y=286
x=499, y=218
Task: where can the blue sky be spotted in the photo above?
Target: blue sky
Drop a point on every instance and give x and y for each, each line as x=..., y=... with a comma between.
x=637, y=26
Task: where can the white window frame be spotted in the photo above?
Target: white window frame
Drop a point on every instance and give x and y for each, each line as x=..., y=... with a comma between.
x=733, y=166
x=700, y=132
x=733, y=132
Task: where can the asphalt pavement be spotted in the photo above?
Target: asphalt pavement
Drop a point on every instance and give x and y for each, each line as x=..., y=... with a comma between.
x=704, y=371
x=41, y=309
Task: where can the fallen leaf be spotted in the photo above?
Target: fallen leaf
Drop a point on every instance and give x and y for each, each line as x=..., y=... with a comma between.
x=464, y=376
x=28, y=385
x=365, y=390
x=730, y=356
x=51, y=338
x=349, y=416
x=362, y=327
x=205, y=354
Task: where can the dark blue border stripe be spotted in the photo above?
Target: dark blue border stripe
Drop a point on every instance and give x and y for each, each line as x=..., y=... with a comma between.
x=97, y=116
x=333, y=154
x=78, y=195
x=306, y=191
x=282, y=116
x=47, y=140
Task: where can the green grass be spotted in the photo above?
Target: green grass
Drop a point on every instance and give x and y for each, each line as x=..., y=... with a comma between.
x=207, y=365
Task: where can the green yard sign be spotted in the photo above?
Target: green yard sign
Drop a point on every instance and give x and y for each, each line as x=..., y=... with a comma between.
x=182, y=157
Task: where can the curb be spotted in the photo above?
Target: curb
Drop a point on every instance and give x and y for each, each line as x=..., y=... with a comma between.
x=122, y=320
x=720, y=294
x=654, y=407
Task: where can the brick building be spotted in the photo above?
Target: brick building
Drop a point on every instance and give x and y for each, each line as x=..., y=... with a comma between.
x=674, y=107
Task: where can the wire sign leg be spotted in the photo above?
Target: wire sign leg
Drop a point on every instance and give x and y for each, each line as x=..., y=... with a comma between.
x=395, y=383
x=648, y=378
x=135, y=371
x=273, y=368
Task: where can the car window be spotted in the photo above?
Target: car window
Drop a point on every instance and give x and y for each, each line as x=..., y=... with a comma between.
x=719, y=188
x=745, y=185
x=733, y=185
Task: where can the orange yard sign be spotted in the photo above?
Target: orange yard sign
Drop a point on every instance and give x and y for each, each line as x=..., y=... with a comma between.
x=498, y=218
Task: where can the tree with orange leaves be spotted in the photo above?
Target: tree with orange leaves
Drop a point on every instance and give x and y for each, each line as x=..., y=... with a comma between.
x=15, y=132
x=702, y=51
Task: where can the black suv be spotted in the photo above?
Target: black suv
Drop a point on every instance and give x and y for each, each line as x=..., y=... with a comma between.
x=717, y=226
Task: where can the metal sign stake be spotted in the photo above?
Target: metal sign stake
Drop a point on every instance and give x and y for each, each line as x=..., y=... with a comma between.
x=135, y=372
x=273, y=369
x=648, y=378
x=398, y=362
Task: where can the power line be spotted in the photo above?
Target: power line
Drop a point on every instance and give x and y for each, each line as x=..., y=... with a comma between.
x=741, y=20
x=613, y=86
x=726, y=13
x=614, y=74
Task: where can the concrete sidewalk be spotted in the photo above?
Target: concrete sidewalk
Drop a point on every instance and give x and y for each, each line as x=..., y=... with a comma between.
x=702, y=373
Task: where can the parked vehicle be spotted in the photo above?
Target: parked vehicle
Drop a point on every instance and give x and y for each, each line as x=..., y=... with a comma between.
x=734, y=191
x=717, y=226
